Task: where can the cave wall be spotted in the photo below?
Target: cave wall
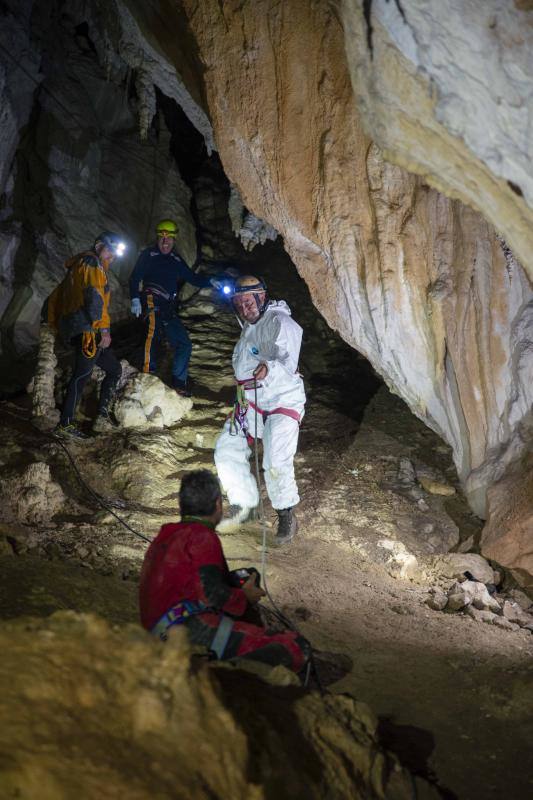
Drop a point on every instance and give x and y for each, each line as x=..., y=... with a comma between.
x=446, y=90
x=418, y=282
x=73, y=162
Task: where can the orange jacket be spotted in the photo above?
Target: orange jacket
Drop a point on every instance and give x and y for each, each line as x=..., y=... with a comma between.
x=81, y=301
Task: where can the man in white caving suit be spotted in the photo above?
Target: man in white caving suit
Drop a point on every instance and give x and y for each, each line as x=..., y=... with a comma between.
x=266, y=355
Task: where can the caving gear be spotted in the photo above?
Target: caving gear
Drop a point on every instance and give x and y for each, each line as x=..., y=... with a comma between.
x=166, y=228
x=186, y=563
x=236, y=516
x=155, y=280
x=274, y=340
x=103, y=423
x=247, y=284
x=176, y=616
x=250, y=285
x=182, y=388
x=83, y=367
x=112, y=241
x=69, y=431
x=88, y=344
x=80, y=304
x=136, y=307
x=287, y=525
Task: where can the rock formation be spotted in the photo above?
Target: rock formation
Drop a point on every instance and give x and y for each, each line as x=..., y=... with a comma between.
x=508, y=536
x=419, y=283
x=31, y=497
x=172, y=728
x=73, y=163
x=445, y=90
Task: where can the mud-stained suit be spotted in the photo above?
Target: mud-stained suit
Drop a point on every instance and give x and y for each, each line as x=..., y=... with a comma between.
x=78, y=309
x=274, y=340
x=185, y=566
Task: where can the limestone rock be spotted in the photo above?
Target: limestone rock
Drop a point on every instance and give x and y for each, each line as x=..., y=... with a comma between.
x=418, y=283
x=435, y=487
x=454, y=565
x=505, y=624
x=457, y=116
x=514, y=613
x=43, y=398
x=78, y=175
x=32, y=496
x=521, y=598
x=136, y=720
x=398, y=561
x=471, y=593
x=481, y=616
x=146, y=402
x=437, y=600
x=508, y=534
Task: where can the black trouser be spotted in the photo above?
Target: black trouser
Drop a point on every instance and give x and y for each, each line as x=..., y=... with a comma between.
x=83, y=367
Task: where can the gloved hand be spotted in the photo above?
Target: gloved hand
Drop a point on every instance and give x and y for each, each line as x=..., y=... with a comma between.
x=216, y=283
x=136, y=308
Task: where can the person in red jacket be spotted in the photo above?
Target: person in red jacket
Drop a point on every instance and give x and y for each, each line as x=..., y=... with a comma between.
x=185, y=580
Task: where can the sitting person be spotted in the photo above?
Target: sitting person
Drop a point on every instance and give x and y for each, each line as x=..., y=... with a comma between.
x=185, y=580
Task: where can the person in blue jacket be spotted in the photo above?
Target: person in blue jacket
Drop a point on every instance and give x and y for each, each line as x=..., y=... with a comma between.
x=154, y=283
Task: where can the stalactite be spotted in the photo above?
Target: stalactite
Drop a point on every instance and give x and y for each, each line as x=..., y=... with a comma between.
x=252, y=230
x=147, y=101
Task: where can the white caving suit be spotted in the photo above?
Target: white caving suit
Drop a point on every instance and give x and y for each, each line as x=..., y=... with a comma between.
x=274, y=340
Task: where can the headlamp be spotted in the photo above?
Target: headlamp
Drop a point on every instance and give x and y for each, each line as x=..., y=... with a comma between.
x=120, y=249
x=226, y=289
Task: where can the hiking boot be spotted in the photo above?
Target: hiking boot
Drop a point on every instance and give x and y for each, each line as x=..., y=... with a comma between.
x=103, y=423
x=70, y=432
x=181, y=388
x=237, y=515
x=287, y=525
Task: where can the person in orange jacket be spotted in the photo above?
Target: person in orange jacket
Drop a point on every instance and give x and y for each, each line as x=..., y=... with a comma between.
x=78, y=310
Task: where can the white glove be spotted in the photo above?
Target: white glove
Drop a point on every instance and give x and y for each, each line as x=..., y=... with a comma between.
x=216, y=283
x=136, y=308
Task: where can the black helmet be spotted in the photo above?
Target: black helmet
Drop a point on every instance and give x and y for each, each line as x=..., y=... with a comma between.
x=111, y=240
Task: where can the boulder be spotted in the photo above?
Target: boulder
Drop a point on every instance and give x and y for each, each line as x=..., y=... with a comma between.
x=514, y=613
x=437, y=600
x=146, y=402
x=471, y=593
x=480, y=616
x=435, y=487
x=508, y=534
x=89, y=710
x=455, y=565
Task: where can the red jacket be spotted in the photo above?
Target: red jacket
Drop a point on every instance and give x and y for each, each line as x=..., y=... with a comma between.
x=186, y=562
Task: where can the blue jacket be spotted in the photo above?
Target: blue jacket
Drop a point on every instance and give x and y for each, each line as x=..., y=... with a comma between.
x=165, y=272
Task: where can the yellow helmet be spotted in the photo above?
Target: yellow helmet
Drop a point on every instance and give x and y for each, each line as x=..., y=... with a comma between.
x=166, y=227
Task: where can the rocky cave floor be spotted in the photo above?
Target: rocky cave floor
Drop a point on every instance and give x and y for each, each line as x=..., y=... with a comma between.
x=453, y=694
